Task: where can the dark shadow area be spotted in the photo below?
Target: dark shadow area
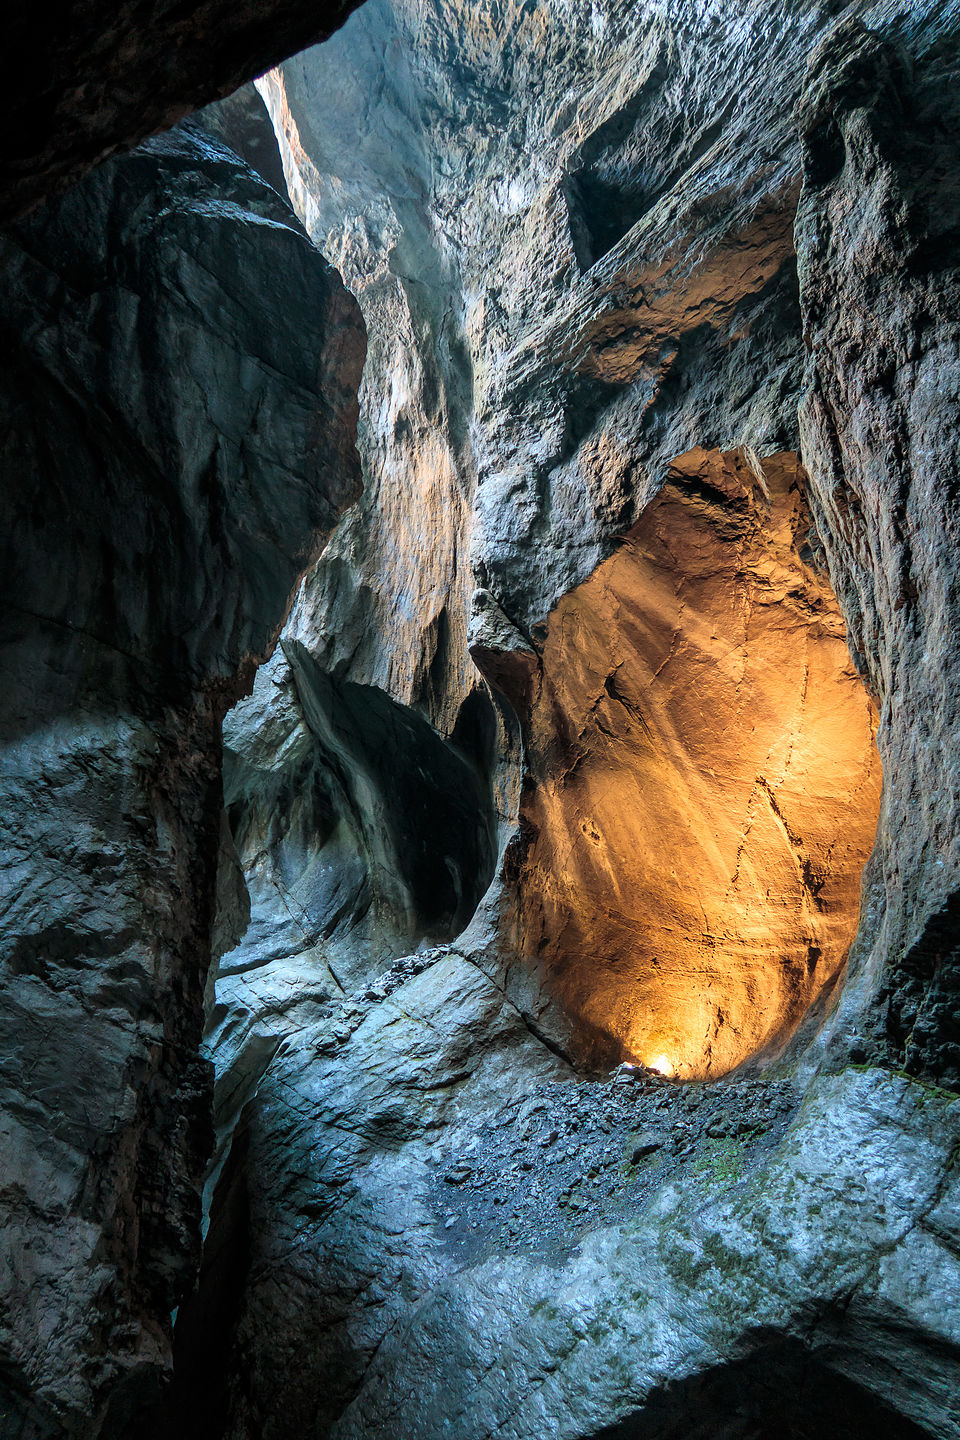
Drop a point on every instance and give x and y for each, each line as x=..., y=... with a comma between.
x=366, y=836
x=600, y=212
x=412, y=793
x=621, y=170
x=924, y=1001
x=780, y=1393
x=196, y=1405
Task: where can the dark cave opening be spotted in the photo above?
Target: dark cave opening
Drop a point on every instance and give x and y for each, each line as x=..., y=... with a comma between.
x=600, y=212
x=782, y=1391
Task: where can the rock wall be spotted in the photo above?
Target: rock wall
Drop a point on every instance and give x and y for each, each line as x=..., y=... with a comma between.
x=97, y=78
x=605, y=263
x=703, y=784
x=174, y=450
x=876, y=236
x=577, y=247
x=499, y=470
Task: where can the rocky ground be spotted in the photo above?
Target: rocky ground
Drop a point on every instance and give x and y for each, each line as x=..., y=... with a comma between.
x=569, y=1156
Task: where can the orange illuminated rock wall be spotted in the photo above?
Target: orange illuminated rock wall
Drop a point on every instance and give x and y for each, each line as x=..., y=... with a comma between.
x=704, y=784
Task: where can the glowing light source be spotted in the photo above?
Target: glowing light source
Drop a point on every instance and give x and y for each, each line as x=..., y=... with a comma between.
x=705, y=785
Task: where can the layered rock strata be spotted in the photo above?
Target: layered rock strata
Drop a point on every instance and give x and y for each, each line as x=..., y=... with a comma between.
x=174, y=447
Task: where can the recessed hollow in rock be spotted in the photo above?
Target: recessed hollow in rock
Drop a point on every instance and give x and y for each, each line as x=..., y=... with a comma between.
x=704, y=784
x=780, y=1392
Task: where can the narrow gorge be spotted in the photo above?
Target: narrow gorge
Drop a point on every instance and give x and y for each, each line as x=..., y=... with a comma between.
x=480, y=900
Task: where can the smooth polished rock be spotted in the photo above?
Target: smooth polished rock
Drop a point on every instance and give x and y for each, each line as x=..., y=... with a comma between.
x=703, y=782
x=177, y=426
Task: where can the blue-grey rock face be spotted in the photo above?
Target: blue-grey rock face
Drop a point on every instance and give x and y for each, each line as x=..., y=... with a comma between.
x=177, y=423
x=877, y=237
x=576, y=240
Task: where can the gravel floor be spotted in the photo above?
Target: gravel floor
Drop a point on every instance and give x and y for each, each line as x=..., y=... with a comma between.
x=570, y=1156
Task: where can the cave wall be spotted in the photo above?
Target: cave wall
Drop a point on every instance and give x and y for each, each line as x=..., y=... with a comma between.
x=876, y=237
x=498, y=472
x=577, y=249
x=174, y=451
x=582, y=252
x=457, y=214
x=579, y=389
x=702, y=781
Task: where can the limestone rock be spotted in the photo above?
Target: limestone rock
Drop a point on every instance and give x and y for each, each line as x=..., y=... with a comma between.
x=365, y=834
x=694, y=1315
x=174, y=448
x=83, y=82
x=602, y=257
x=503, y=426
x=498, y=471
x=703, y=783
x=576, y=245
x=877, y=243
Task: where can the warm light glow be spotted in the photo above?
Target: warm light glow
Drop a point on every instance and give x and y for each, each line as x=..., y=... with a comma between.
x=704, y=783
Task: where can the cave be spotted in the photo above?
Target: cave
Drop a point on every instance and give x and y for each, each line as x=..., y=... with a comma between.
x=703, y=784
x=479, y=939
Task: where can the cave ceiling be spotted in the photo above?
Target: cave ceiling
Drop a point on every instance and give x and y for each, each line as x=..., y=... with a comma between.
x=85, y=80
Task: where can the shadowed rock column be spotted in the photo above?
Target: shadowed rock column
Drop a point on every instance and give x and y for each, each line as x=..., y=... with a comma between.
x=177, y=423
x=877, y=241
